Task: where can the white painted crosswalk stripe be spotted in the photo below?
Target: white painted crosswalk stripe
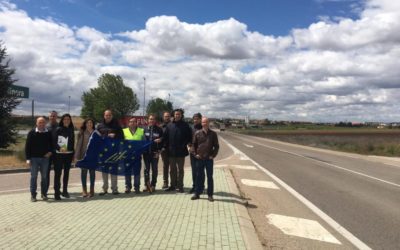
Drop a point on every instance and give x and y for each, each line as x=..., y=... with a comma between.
x=246, y=167
x=262, y=184
x=220, y=165
x=304, y=228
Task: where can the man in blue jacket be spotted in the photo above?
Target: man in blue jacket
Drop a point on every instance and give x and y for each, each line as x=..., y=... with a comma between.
x=177, y=136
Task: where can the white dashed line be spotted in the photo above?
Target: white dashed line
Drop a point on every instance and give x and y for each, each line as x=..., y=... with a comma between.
x=304, y=228
x=248, y=145
x=262, y=184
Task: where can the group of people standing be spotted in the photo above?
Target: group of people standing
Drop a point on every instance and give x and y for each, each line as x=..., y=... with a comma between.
x=173, y=140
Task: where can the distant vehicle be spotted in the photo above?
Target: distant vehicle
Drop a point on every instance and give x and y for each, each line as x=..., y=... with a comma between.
x=222, y=127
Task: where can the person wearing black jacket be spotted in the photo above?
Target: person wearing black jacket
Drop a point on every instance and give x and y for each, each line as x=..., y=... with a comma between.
x=38, y=148
x=164, y=153
x=177, y=137
x=52, y=128
x=152, y=133
x=110, y=128
x=193, y=163
x=64, y=146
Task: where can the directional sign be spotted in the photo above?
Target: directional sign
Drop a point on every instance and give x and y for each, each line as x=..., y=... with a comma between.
x=18, y=91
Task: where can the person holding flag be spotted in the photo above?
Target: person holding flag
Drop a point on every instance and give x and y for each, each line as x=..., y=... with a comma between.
x=134, y=133
x=110, y=128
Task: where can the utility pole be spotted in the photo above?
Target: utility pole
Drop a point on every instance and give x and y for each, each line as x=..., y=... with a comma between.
x=33, y=111
x=69, y=104
x=144, y=94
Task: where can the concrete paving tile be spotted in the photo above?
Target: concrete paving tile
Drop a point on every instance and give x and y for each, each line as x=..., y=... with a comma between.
x=156, y=221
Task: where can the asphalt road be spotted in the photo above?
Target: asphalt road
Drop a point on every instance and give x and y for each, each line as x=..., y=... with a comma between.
x=359, y=193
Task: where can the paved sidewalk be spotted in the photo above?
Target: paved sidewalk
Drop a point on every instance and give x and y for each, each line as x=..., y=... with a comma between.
x=158, y=221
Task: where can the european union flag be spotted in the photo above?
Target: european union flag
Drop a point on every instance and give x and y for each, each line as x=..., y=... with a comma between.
x=117, y=157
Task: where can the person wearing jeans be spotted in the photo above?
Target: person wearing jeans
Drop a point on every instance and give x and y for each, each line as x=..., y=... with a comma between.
x=38, y=148
x=84, y=135
x=205, y=148
x=152, y=133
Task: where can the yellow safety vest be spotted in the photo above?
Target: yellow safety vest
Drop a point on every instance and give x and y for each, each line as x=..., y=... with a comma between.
x=137, y=136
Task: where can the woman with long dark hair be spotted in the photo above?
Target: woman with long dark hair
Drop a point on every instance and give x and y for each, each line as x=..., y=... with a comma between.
x=64, y=144
x=85, y=132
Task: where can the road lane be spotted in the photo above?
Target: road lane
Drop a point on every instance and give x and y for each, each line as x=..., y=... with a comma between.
x=366, y=207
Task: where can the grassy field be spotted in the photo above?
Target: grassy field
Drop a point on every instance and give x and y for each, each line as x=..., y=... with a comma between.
x=383, y=142
x=14, y=156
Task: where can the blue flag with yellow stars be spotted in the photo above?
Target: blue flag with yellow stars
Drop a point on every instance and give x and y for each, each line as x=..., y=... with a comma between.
x=117, y=157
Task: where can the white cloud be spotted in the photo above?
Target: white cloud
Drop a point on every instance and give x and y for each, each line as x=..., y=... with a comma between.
x=335, y=69
x=226, y=39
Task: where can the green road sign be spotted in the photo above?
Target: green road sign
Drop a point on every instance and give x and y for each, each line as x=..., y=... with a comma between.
x=18, y=91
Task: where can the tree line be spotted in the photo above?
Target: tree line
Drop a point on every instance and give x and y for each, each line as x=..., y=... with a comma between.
x=111, y=93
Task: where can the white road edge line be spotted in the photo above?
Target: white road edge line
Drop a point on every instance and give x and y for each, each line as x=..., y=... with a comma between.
x=341, y=230
x=329, y=164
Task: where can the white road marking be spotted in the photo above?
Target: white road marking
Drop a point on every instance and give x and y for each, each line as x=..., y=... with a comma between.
x=392, y=165
x=371, y=158
x=220, y=165
x=28, y=172
x=341, y=230
x=330, y=164
x=14, y=190
x=262, y=184
x=248, y=145
x=75, y=184
x=246, y=167
x=309, y=229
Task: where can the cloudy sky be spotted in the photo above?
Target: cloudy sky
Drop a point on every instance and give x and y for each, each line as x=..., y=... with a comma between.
x=309, y=60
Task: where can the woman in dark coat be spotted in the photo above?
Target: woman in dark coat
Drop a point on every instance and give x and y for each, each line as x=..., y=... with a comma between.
x=64, y=145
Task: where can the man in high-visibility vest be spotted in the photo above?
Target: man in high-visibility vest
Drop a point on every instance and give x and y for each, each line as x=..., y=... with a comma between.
x=133, y=132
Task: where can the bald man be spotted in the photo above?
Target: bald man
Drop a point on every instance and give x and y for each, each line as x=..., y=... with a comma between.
x=205, y=149
x=38, y=148
x=110, y=127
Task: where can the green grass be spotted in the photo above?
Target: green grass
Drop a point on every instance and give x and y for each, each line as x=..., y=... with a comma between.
x=15, y=153
x=383, y=142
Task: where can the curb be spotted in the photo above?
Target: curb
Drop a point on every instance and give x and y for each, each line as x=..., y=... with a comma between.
x=14, y=171
x=246, y=225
